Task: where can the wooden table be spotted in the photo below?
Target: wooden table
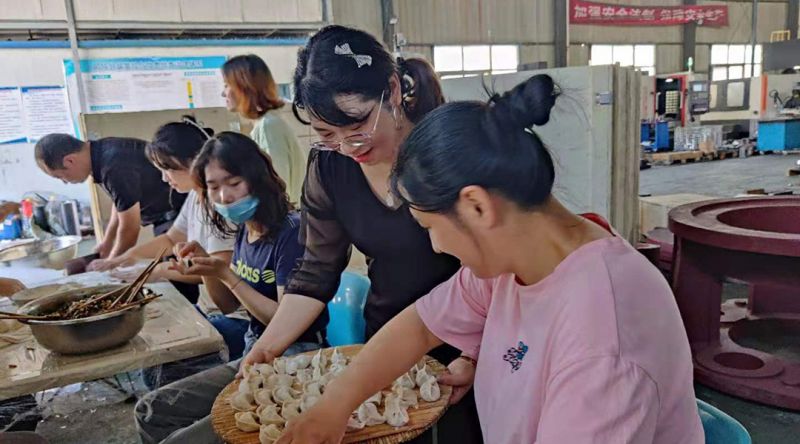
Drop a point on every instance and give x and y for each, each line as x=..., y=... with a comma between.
x=174, y=330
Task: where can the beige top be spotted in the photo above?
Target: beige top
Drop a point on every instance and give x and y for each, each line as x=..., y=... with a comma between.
x=277, y=139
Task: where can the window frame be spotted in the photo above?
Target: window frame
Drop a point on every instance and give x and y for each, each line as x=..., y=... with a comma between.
x=449, y=74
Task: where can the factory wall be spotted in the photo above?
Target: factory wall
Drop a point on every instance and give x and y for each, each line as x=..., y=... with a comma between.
x=43, y=67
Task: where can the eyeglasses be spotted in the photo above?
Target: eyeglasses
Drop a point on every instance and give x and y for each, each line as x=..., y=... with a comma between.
x=354, y=140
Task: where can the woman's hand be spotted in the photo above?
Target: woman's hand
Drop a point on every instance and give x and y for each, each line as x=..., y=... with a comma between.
x=260, y=353
x=130, y=274
x=324, y=423
x=109, y=264
x=460, y=374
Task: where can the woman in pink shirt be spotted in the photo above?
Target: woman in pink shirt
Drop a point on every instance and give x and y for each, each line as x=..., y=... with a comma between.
x=579, y=337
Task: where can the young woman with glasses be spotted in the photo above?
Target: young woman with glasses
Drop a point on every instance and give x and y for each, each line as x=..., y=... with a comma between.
x=362, y=102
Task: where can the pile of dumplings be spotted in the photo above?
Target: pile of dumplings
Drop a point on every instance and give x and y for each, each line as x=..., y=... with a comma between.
x=269, y=395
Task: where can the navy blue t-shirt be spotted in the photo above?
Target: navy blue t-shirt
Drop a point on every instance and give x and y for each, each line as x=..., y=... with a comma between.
x=265, y=264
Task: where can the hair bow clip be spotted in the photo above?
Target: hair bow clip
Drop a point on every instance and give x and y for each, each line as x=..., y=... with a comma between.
x=361, y=59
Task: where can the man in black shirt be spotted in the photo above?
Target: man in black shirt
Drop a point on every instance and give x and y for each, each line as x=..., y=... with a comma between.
x=118, y=165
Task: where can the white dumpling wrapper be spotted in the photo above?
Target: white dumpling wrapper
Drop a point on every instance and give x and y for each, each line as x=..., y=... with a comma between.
x=263, y=397
x=422, y=375
x=304, y=375
x=320, y=361
x=308, y=401
x=269, y=433
x=375, y=399
x=336, y=369
x=263, y=369
x=404, y=381
x=395, y=414
x=313, y=388
x=368, y=414
x=408, y=397
x=246, y=421
x=283, y=394
x=430, y=390
x=274, y=381
x=279, y=365
x=242, y=402
x=353, y=423
x=338, y=358
x=268, y=414
x=290, y=409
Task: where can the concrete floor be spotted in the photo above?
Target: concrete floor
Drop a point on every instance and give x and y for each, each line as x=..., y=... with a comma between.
x=723, y=178
x=95, y=412
x=726, y=178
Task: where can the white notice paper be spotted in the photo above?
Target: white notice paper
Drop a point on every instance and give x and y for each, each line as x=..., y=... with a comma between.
x=12, y=129
x=46, y=111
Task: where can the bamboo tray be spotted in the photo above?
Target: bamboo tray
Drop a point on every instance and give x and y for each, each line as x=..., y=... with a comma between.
x=420, y=419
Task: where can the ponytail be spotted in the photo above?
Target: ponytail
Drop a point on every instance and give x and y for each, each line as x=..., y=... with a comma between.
x=420, y=87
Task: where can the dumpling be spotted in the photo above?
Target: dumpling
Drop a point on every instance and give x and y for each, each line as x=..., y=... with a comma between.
x=395, y=414
x=369, y=415
x=320, y=361
x=246, y=421
x=375, y=399
x=242, y=402
x=304, y=375
x=247, y=369
x=250, y=383
x=422, y=375
x=429, y=391
x=337, y=368
x=296, y=363
x=404, y=381
x=290, y=409
x=263, y=369
x=317, y=373
x=244, y=386
x=279, y=365
x=408, y=397
x=353, y=423
x=283, y=394
x=268, y=414
x=326, y=379
x=263, y=397
x=269, y=433
x=338, y=358
x=274, y=381
x=308, y=401
x=313, y=388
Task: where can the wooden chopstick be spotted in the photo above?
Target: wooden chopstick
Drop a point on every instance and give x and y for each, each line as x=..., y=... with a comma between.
x=9, y=315
x=142, y=301
x=133, y=288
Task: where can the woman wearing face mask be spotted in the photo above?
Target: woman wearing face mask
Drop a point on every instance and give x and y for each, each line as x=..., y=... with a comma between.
x=251, y=91
x=172, y=150
x=239, y=187
x=363, y=103
x=572, y=322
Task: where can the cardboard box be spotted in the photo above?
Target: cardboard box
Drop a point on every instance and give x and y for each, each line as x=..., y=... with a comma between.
x=654, y=210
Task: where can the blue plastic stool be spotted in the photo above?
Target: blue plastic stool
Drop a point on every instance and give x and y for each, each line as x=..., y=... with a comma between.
x=720, y=428
x=346, y=311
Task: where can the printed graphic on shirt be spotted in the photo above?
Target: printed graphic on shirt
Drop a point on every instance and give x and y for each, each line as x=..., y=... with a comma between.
x=515, y=355
x=252, y=274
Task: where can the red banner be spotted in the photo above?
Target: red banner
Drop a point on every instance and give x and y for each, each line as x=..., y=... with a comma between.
x=591, y=13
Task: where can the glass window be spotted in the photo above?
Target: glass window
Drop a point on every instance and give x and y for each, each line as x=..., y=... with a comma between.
x=719, y=54
x=719, y=73
x=448, y=58
x=736, y=54
x=505, y=57
x=476, y=58
x=735, y=72
x=602, y=55
x=623, y=54
x=644, y=55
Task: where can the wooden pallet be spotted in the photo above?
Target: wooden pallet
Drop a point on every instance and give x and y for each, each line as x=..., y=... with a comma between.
x=673, y=157
x=723, y=154
x=789, y=152
x=420, y=419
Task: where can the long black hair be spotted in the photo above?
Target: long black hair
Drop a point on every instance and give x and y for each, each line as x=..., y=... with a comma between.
x=240, y=156
x=176, y=144
x=341, y=60
x=489, y=144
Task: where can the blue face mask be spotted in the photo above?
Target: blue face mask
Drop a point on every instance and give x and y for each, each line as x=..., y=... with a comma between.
x=240, y=211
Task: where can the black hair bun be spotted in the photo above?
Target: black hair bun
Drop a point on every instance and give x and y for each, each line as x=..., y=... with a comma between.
x=528, y=104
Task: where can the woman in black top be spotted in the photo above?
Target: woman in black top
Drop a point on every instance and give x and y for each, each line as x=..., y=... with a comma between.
x=363, y=103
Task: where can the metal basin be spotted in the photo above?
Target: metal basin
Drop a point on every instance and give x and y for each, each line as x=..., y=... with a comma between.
x=87, y=335
x=50, y=253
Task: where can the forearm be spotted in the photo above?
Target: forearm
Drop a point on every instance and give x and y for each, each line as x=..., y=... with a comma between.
x=150, y=249
x=110, y=235
x=295, y=314
x=125, y=239
x=258, y=305
x=405, y=338
x=221, y=295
